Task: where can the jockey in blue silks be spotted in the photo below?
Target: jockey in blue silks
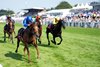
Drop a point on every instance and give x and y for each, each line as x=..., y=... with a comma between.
x=27, y=22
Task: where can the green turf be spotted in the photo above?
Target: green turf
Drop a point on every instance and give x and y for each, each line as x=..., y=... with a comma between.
x=80, y=48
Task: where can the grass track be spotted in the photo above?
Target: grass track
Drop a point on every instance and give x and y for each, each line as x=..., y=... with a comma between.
x=80, y=48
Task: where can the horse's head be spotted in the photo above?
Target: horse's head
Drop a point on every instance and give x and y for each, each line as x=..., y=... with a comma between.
x=10, y=25
x=9, y=21
x=34, y=29
x=62, y=23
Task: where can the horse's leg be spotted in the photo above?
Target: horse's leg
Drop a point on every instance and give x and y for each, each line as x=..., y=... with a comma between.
x=14, y=33
x=48, y=38
x=24, y=51
x=36, y=46
x=39, y=39
x=53, y=41
x=18, y=41
x=26, y=48
x=11, y=37
x=60, y=40
x=4, y=36
x=40, y=35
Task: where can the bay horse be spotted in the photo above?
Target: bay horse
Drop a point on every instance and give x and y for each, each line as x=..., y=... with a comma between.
x=56, y=31
x=39, y=24
x=9, y=29
x=28, y=37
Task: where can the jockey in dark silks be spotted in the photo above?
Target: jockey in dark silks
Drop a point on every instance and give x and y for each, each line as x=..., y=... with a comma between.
x=54, y=22
x=8, y=20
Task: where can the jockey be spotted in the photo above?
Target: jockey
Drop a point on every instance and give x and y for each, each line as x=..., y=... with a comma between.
x=54, y=22
x=37, y=17
x=27, y=21
x=38, y=20
x=8, y=20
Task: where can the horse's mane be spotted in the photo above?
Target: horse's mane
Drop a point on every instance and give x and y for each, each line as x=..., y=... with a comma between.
x=33, y=29
x=58, y=25
x=61, y=23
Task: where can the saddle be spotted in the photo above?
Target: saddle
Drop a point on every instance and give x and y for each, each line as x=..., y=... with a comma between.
x=51, y=26
x=22, y=31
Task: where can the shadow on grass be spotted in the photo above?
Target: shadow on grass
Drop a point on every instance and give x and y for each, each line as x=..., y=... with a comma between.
x=1, y=41
x=3, y=36
x=14, y=55
x=49, y=46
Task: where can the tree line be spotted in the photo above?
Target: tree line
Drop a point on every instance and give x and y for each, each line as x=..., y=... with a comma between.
x=6, y=12
x=61, y=5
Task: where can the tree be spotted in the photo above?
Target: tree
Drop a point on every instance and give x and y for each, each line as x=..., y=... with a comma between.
x=6, y=12
x=75, y=5
x=63, y=5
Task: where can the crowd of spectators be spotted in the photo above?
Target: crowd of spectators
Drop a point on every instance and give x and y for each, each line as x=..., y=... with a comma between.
x=86, y=16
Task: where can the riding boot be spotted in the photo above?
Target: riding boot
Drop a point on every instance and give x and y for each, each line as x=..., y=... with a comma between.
x=53, y=27
x=28, y=31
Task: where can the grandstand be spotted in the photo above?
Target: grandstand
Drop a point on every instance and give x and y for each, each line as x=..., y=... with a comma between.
x=96, y=5
x=33, y=11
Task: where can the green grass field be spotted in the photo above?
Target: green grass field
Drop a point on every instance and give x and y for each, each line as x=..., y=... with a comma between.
x=80, y=48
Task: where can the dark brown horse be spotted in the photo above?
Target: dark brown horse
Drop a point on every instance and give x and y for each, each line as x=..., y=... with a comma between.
x=9, y=29
x=39, y=24
x=55, y=31
x=28, y=37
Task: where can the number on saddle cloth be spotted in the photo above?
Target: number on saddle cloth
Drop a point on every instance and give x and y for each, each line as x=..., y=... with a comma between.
x=51, y=26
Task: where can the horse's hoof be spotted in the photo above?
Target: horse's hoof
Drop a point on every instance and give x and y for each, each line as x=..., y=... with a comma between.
x=16, y=51
x=4, y=41
x=58, y=43
x=39, y=42
x=12, y=42
x=53, y=42
x=38, y=57
x=29, y=61
x=49, y=44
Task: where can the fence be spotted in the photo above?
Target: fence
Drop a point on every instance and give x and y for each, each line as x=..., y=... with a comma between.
x=84, y=24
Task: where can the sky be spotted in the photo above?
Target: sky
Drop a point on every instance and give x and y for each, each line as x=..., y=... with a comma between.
x=18, y=5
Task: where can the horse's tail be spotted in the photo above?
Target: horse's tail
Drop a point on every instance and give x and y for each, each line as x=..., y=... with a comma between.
x=20, y=32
